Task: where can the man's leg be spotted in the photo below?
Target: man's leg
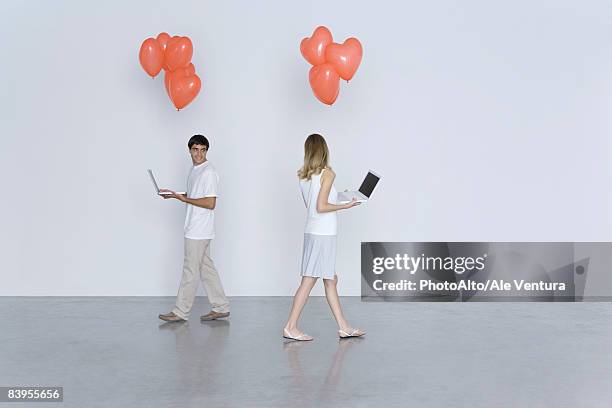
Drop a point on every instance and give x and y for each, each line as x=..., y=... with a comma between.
x=194, y=250
x=212, y=282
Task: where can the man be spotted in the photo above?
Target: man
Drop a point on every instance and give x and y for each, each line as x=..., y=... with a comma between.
x=201, y=199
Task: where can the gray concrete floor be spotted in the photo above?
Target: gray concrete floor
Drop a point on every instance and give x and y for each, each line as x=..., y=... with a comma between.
x=114, y=352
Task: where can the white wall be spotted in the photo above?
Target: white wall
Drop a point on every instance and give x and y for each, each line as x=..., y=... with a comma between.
x=488, y=120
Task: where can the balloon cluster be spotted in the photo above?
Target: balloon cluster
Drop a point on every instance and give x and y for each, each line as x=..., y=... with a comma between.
x=330, y=62
x=173, y=54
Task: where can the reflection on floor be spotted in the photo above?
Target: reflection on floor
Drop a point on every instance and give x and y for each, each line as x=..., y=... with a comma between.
x=114, y=352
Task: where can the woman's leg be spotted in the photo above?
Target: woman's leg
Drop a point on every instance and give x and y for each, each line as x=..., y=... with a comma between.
x=299, y=300
x=331, y=293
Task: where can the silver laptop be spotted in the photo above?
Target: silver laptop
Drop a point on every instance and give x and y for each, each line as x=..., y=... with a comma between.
x=162, y=193
x=365, y=191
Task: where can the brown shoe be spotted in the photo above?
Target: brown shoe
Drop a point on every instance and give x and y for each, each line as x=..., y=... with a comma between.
x=171, y=317
x=212, y=315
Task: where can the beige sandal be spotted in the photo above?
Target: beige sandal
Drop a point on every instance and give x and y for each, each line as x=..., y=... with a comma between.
x=350, y=333
x=301, y=337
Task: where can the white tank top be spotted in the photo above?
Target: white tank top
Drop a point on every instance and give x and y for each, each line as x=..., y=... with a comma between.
x=318, y=223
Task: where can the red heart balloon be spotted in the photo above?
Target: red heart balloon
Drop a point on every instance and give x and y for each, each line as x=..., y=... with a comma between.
x=345, y=57
x=151, y=56
x=183, y=89
x=325, y=83
x=162, y=40
x=190, y=70
x=313, y=48
x=179, y=51
x=167, y=76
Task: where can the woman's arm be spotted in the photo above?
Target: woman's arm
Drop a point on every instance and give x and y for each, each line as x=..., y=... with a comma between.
x=323, y=204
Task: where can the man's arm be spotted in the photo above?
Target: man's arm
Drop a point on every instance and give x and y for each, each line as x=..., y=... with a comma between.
x=204, y=202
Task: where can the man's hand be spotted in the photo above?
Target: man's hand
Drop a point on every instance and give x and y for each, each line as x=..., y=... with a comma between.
x=172, y=194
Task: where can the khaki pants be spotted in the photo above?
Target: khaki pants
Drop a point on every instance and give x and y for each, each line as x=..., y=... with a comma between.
x=198, y=264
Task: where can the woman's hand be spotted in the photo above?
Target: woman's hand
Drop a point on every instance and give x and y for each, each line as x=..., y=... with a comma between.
x=351, y=204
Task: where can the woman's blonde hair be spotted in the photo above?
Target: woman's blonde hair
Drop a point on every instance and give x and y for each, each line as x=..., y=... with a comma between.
x=316, y=156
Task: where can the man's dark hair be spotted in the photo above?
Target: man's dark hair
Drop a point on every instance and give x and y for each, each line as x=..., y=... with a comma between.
x=198, y=140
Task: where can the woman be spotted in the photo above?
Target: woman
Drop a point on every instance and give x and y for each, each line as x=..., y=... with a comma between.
x=319, y=253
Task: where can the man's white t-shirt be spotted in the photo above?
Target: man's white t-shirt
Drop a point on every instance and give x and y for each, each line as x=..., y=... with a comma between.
x=203, y=181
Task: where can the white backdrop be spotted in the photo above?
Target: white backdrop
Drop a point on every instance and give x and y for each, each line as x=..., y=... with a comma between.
x=488, y=120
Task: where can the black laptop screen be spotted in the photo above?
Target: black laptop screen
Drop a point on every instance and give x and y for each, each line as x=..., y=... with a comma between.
x=368, y=184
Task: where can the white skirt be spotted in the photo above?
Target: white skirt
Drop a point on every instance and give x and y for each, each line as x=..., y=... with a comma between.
x=319, y=256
